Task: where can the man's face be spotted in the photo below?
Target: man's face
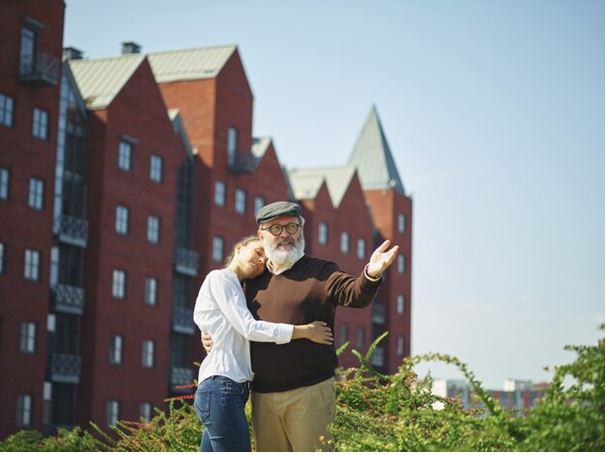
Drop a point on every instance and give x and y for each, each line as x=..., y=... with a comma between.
x=283, y=247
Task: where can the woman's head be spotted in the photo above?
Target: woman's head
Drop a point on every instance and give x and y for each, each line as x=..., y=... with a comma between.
x=247, y=258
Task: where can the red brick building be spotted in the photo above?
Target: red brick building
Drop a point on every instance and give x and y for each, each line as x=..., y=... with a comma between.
x=150, y=173
x=31, y=35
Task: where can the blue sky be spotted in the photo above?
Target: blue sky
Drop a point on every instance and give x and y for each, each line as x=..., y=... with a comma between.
x=494, y=111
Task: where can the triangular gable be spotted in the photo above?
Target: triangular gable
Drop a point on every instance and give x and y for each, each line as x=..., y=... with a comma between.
x=373, y=158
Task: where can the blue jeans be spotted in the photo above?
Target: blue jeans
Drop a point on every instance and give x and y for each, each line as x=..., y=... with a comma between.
x=220, y=404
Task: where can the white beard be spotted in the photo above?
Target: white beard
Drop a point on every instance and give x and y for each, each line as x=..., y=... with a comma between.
x=283, y=258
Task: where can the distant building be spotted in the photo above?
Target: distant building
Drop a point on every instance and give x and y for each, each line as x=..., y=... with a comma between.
x=517, y=395
x=123, y=181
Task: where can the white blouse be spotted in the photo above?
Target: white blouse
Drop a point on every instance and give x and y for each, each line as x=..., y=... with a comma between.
x=221, y=311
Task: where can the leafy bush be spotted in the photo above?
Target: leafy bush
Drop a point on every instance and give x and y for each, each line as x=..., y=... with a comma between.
x=377, y=412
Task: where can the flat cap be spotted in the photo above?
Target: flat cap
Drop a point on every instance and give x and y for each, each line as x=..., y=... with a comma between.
x=276, y=209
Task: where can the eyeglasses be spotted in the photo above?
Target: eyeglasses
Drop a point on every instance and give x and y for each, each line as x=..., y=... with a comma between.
x=276, y=229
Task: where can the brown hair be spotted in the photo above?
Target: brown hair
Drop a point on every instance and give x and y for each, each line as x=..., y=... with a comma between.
x=243, y=241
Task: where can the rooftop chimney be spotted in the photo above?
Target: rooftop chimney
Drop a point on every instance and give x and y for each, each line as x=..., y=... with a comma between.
x=130, y=47
x=71, y=53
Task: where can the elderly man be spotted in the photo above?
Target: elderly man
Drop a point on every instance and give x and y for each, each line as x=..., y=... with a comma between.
x=293, y=398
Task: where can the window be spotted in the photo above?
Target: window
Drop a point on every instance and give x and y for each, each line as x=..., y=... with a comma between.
x=147, y=355
x=217, y=249
x=36, y=194
x=151, y=289
x=28, y=337
x=401, y=222
x=240, y=201
x=344, y=333
x=5, y=178
x=360, y=337
x=259, y=202
x=155, y=168
x=219, y=194
x=323, y=233
x=24, y=411
x=361, y=248
x=400, y=346
x=113, y=412
x=232, y=145
x=121, y=219
x=344, y=242
x=28, y=47
x=401, y=263
x=153, y=229
x=1, y=258
x=125, y=156
x=115, y=350
x=31, y=270
x=119, y=284
x=6, y=110
x=400, y=304
x=145, y=410
x=40, y=124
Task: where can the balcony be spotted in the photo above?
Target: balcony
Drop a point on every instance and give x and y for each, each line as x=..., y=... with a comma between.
x=72, y=230
x=378, y=357
x=65, y=368
x=180, y=377
x=186, y=261
x=183, y=320
x=378, y=313
x=39, y=69
x=68, y=299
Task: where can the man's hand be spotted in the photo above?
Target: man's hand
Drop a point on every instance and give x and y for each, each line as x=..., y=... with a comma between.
x=381, y=259
x=207, y=342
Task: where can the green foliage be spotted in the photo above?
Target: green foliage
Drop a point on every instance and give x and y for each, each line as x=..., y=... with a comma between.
x=377, y=412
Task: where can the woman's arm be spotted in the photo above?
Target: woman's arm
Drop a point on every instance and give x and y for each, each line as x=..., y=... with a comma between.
x=229, y=297
x=317, y=331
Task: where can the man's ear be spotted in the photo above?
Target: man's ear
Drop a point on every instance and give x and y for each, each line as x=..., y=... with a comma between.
x=260, y=234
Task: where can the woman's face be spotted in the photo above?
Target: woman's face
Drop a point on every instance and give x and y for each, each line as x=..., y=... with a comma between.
x=251, y=258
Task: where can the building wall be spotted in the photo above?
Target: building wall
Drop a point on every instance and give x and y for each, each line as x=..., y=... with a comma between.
x=22, y=227
x=208, y=108
x=131, y=317
x=385, y=206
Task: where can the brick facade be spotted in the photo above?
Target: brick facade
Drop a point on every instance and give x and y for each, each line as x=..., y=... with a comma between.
x=189, y=124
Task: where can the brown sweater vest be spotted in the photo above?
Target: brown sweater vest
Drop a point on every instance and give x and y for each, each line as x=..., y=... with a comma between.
x=309, y=291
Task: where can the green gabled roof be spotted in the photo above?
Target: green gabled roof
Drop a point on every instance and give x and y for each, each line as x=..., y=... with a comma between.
x=190, y=64
x=307, y=182
x=99, y=81
x=373, y=159
x=260, y=146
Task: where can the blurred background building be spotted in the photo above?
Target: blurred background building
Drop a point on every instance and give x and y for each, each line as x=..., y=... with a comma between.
x=518, y=396
x=123, y=181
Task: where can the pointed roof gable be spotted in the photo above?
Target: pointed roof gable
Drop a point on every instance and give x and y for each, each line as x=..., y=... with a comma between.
x=190, y=64
x=307, y=182
x=99, y=81
x=373, y=159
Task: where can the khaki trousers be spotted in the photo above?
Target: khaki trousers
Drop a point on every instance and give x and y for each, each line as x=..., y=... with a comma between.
x=293, y=420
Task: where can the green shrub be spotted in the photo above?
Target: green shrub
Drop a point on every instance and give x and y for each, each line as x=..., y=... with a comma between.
x=377, y=412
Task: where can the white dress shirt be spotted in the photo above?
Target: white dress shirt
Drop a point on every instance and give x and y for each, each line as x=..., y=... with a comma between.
x=221, y=311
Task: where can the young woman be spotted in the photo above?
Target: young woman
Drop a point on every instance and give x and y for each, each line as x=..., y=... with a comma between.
x=223, y=380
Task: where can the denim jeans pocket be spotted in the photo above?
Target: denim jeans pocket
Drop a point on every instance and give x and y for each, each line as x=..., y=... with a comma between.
x=202, y=404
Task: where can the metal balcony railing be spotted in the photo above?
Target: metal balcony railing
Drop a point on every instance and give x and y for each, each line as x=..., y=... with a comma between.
x=183, y=320
x=72, y=230
x=68, y=299
x=377, y=358
x=39, y=68
x=186, y=261
x=181, y=377
x=65, y=368
x=378, y=313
